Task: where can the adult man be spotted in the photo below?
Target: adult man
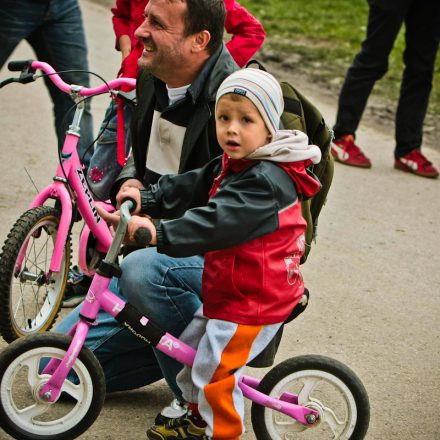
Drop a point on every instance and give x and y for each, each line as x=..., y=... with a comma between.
x=55, y=31
x=173, y=130
x=422, y=35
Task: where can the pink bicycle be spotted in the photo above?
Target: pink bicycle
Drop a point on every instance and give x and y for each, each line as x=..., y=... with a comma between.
x=52, y=387
x=35, y=258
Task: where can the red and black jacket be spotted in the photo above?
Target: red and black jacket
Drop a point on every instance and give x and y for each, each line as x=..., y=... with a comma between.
x=250, y=231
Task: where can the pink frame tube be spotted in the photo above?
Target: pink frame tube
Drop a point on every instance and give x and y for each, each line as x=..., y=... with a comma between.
x=286, y=404
x=72, y=168
x=83, y=239
x=78, y=182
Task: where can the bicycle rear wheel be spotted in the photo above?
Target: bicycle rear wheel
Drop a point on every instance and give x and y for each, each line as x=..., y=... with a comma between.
x=323, y=384
x=31, y=295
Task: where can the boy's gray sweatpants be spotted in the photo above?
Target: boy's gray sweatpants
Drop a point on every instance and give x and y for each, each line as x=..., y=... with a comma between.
x=223, y=350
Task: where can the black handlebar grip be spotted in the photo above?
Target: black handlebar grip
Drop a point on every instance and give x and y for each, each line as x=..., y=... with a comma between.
x=18, y=66
x=142, y=237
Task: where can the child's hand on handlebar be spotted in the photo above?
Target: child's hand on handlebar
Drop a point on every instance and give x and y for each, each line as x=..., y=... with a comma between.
x=137, y=222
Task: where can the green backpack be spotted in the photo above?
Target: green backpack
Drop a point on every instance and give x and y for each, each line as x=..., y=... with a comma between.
x=301, y=114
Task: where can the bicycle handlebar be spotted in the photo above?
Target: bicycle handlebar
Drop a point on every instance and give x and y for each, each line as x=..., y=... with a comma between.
x=19, y=65
x=142, y=236
x=28, y=68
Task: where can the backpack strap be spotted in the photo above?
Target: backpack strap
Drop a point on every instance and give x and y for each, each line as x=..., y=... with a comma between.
x=258, y=63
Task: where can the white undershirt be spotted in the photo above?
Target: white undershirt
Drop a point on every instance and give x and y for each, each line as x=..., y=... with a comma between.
x=177, y=93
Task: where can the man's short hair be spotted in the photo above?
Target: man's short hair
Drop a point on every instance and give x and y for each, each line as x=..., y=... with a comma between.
x=207, y=15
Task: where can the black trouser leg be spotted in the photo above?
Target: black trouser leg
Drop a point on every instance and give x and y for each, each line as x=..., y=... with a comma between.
x=369, y=65
x=422, y=40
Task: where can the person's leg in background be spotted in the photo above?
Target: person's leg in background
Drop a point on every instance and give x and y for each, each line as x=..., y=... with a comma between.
x=104, y=167
x=369, y=65
x=60, y=41
x=18, y=19
x=422, y=36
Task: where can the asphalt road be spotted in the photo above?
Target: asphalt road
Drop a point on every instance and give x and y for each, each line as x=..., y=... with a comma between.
x=373, y=273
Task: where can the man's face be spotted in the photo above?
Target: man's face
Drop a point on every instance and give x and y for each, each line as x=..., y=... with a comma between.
x=162, y=33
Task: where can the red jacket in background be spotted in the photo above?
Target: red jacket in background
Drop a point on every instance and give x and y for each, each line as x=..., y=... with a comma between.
x=247, y=32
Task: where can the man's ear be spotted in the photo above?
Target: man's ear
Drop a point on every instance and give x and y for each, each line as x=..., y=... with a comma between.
x=201, y=40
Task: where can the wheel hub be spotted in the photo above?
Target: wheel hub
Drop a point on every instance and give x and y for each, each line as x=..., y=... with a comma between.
x=36, y=392
x=311, y=418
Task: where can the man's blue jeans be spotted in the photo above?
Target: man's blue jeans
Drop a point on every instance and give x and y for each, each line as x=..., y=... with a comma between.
x=165, y=289
x=55, y=31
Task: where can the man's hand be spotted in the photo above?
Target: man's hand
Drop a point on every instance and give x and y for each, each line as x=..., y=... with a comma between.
x=129, y=192
x=124, y=193
x=124, y=46
x=137, y=222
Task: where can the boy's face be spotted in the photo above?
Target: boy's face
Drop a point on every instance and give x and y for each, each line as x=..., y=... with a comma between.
x=240, y=127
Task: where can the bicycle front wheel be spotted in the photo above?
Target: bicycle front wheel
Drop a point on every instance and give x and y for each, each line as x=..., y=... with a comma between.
x=30, y=294
x=23, y=414
x=322, y=384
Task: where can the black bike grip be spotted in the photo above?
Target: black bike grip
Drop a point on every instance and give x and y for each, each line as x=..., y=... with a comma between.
x=19, y=65
x=142, y=237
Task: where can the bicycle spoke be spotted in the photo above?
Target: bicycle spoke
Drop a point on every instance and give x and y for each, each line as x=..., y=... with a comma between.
x=33, y=365
x=309, y=385
x=36, y=256
x=32, y=411
x=73, y=390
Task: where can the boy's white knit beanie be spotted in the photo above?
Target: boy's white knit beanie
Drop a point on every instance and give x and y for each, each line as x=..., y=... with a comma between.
x=261, y=88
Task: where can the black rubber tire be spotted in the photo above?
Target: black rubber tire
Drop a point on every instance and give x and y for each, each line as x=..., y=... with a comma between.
x=313, y=362
x=10, y=251
x=53, y=340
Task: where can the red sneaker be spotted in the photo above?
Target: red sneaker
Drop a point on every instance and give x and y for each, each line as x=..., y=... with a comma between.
x=415, y=162
x=344, y=150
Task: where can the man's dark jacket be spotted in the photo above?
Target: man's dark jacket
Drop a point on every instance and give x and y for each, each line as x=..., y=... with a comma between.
x=200, y=142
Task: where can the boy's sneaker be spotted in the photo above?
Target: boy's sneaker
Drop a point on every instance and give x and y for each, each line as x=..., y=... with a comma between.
x=76, y=288
x=177, y=429
x=415, y=162
x=174, y=410
x=344, y=150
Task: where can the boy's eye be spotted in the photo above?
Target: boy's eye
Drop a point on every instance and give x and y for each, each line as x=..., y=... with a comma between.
x=223, y=117
x=247, y=120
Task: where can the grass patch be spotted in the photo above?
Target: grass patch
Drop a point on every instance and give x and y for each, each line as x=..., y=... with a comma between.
x=321, y=37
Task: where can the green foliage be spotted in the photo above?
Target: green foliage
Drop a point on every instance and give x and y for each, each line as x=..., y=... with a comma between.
x=327, y=34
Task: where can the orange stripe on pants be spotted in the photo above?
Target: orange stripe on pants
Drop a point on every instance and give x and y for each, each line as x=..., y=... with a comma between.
x=218, y=393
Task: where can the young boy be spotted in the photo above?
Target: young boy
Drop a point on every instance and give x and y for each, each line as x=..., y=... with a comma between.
x=243, y=212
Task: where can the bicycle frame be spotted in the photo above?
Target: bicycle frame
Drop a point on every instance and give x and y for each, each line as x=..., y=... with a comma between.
x=100, y=297
x=70, y=172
